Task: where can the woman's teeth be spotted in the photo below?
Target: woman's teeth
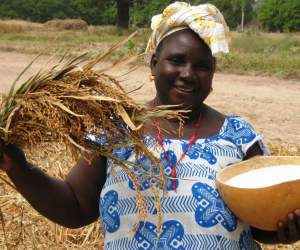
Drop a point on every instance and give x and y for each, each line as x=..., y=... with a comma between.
x=183, y=89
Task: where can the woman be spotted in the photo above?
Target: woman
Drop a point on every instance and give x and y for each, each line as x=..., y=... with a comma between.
x=194, y=215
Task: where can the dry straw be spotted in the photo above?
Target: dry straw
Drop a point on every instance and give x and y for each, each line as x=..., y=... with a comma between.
x=17, y=26
x=67, y=24
x=70, y=100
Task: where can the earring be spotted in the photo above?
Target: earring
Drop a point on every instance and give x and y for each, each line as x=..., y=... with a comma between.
x=151, y=77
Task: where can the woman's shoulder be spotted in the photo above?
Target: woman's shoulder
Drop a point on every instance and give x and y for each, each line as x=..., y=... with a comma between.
x=212, y=122
x=232, y=127
x=215, y=115
x=218, y=117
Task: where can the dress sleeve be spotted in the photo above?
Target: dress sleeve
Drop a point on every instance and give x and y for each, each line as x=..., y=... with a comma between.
x=122, y=152
x=244, y=135
x=98, y=140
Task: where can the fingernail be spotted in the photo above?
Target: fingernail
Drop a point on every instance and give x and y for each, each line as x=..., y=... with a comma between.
x=297, y=212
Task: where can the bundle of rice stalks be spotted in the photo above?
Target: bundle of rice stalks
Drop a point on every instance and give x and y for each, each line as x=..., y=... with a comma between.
x=72, y=103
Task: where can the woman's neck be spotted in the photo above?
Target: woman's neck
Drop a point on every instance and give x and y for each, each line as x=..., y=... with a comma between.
x=191, y=117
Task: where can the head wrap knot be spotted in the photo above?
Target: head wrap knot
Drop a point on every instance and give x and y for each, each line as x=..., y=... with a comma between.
x=205, y=20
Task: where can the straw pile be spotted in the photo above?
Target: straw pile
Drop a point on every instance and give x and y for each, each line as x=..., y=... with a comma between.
x=17, y=26
x=67, y=24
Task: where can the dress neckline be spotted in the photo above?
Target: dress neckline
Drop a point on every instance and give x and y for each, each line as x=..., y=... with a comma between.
x=166, y=138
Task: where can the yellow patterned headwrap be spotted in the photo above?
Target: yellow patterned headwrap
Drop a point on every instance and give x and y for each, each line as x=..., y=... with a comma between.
x=205, y=20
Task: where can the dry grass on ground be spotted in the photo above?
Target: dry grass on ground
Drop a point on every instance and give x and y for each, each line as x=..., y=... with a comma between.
x=18, y=26
x=21, y=26
x=24, y=228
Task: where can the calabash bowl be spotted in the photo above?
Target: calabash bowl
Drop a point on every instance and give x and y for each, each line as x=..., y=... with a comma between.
x=260, y=207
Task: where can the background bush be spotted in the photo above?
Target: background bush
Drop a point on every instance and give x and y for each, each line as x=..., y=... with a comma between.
x=280, y=15
x=92, y=11
x=274, y=15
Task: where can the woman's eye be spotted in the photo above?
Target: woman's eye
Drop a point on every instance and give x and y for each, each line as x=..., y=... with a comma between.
x=176, y=60
x=204, y=67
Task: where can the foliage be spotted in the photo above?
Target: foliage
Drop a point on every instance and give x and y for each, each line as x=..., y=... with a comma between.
x=92, y=11
x=280, y=15
x=143, y=10
x=275, y=15
x=232, y=10
x=105, y=11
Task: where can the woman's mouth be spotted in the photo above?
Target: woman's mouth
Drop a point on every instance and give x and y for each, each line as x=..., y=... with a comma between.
x=184, y=89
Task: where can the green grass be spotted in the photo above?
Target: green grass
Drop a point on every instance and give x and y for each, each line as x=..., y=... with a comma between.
x=264, y=54
x=23, y=37
x=251, y=53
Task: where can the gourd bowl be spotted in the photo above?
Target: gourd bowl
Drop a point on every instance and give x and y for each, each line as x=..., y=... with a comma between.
x=261, y=207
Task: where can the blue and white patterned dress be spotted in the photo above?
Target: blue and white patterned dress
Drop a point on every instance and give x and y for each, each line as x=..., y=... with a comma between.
x=194, y=217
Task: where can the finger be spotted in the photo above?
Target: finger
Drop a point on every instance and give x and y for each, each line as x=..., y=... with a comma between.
x=297, y=215
x=292, y=234
x=281, y=233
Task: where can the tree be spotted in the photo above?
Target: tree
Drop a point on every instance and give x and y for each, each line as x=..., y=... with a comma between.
x=123, y=13
x=236, y=12
x=241, y=6
x=92, y=11
x=280, y=15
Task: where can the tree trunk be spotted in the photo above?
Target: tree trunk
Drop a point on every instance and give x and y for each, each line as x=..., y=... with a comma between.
x=243, y=18
x=123, y=13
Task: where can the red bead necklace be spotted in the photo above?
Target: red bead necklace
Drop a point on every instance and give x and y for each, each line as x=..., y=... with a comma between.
x=173, y=166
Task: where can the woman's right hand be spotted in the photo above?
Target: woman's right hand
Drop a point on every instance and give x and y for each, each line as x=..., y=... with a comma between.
x=11, y=156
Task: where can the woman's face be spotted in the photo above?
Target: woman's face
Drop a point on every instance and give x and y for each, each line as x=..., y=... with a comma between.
x=183, y=70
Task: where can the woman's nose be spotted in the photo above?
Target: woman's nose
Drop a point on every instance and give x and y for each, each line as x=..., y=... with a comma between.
x=187, y=71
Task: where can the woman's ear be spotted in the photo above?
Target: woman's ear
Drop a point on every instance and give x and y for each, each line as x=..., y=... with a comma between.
x=153, y=64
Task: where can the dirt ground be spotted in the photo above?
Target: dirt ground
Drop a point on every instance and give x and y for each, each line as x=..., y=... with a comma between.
x=272, y=105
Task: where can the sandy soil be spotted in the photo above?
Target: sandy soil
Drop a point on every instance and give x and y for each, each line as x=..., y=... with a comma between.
x=272, y=105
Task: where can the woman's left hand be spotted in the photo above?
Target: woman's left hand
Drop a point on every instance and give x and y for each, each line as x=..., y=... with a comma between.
x=289, y=231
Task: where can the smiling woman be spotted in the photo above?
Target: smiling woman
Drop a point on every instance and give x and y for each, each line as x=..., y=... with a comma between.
x=183, y=47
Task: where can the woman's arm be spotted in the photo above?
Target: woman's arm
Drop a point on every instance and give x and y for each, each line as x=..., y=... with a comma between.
x=72, y=202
